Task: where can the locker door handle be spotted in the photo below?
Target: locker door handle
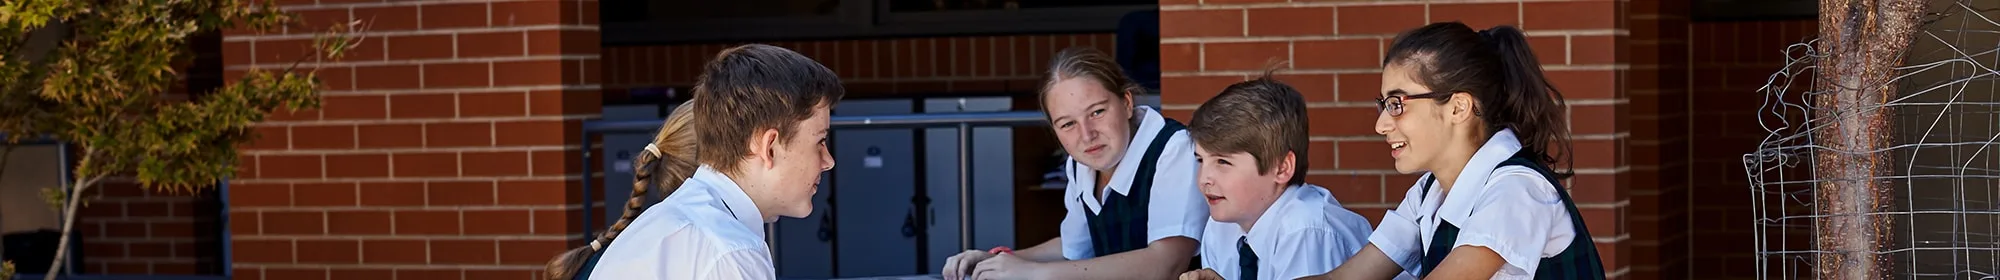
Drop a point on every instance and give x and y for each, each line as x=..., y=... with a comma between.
x=910, y=223
x=826, y=228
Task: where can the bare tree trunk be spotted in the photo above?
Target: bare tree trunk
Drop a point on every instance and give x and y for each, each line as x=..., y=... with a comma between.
x=69, y=224
x=70, y=203
x=1865, y=41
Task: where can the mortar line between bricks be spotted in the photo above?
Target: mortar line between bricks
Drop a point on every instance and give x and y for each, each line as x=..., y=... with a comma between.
x=411, y=180
x=322, y=173
x=1254, y=39
x=427, y=120
x=307, y=7
x=167, y=260
x=130, y=219
x=442, y=31
x=156, y=198
x=413, y=62
x=468, y=90
x=1569, y=49
x=410, y=237
x=385, y=151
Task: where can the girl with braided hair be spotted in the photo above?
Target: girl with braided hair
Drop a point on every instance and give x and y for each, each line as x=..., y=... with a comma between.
x=664, y=164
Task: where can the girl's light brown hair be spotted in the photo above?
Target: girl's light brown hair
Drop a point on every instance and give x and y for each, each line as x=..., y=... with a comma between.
x=664, y=165
x=1085, y=62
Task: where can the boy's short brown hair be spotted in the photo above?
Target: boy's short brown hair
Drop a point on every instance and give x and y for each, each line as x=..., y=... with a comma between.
x=1263, y=117
x=750, y=88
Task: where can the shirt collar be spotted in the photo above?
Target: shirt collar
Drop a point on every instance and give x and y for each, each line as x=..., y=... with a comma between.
x=1150, y=123
x=1471, y=182
x=733, y=198
x=1264, y=235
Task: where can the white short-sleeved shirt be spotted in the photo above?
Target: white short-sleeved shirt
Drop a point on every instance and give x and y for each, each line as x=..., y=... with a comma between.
x=1305, y=232
x=1176, y=208
x=1512, y=210
x=707, y=229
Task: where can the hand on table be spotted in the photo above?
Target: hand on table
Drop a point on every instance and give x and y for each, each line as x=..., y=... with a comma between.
x=1201, y=274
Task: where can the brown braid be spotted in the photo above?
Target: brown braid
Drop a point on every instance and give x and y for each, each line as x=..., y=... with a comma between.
x=673, y=149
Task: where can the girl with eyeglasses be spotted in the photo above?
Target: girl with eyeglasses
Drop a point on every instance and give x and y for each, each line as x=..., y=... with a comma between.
x=1474, y=113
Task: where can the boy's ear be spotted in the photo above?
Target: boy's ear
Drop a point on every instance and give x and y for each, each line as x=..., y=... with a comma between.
x=1285, y=168
x=763, y=147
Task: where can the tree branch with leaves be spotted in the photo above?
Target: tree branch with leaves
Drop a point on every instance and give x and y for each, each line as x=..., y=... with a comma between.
x=92, y=74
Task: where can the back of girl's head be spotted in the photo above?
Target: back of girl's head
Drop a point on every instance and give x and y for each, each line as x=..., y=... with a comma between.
x=1499, y=70
x=664, y=165
x=1087, y=63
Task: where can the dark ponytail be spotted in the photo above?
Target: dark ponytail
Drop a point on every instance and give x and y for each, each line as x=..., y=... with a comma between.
x=1499, y=69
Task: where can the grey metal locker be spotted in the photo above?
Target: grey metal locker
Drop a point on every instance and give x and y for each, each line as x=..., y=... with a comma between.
x=620, y=149
x=803, y=248
x=874, y=182
x=992, y=180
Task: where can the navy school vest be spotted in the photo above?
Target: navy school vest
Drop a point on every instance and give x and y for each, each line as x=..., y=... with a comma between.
x=1579, y=261
x=1120, y=225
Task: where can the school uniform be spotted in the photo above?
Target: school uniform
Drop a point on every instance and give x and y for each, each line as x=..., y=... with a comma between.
x=1151, y=196
x=1305, y=232
x=1502, y=201
x=707, y=229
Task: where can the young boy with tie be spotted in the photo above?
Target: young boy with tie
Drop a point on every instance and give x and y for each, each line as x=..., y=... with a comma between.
x=1265, y=221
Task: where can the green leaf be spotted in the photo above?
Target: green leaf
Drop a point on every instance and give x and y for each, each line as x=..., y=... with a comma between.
x=54, y=198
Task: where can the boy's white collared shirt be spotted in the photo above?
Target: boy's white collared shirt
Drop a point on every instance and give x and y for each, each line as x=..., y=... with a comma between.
x=1305, y=232
x=1176, y=208
x=1512, y=210
x=707, y=229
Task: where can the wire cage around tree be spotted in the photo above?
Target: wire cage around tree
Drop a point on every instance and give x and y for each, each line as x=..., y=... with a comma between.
x=1932, y=204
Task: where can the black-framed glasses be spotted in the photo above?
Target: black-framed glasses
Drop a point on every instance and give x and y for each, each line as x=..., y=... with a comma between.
x=1394, y=103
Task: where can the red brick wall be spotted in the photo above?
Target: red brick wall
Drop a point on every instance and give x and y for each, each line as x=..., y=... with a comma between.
x=1335, y=53
x=128, y=230
x=1729, y=61
x=445, y=147
x=969, y=64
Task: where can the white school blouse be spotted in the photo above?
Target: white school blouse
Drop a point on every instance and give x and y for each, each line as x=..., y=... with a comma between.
x=707, y=229
x=1513, y=210
x=1176, y=208
x=1305, y=232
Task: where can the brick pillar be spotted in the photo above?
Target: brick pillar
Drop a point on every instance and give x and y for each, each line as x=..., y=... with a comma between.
x=445, y=148
x=1659, y=108
x=1335, y=50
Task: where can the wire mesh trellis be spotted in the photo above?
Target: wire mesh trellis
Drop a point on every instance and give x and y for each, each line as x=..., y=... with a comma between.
x=1940, y=213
